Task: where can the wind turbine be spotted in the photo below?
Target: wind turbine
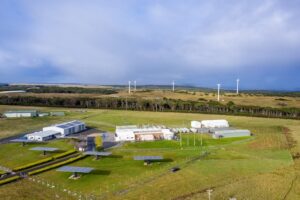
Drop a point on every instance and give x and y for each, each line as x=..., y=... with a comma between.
x=129, y=82
x=237, y=86
x=173, y=86
x=134, y=85
x=219, y=85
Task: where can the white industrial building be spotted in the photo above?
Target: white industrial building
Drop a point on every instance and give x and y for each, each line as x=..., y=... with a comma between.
x=147, y=133
x=58, y=130
x=20, y=113
x=42, y=135
x=67, y=128
x=196, y=124
x=222, y=123
x=231, y=133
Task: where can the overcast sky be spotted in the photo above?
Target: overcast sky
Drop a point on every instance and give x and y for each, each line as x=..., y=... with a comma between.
x=154, y=42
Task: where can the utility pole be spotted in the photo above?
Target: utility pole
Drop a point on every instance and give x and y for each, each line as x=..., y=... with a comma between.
x=180, y=140
x=201, y=142
x=194, y=140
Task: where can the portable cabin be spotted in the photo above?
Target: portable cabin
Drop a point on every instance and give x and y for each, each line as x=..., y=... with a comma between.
x=20, y=113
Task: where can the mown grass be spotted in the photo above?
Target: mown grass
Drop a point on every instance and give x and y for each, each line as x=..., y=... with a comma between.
x=248, y=168
x=15, y=155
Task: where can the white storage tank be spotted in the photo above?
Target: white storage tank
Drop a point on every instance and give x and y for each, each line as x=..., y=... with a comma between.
x=168, y=134
x=222, y=123
x=196, y=124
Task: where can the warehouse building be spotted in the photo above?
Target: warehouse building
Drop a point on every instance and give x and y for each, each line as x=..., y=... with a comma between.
x=222, y=123
x=146, y=133
x=42, y=135
x=231, y=133
x=20, y=113
x=67, y=128
x=196, y=124
x=57, y=113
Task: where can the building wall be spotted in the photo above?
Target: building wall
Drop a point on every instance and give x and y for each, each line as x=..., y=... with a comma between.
x=214, y=123
x=66, y=131
x=125, y=135
x=11, y=115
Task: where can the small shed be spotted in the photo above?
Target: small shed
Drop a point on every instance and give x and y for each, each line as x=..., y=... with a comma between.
x=20, y=113
x=231, y=133
x=57, y=113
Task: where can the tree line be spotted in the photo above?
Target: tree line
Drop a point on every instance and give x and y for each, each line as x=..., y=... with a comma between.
x=162, y=105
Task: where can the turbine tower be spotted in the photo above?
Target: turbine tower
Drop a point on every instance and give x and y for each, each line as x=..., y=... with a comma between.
x=129, y=82
x=134, y=85
x=218, y=91
x=237, y=86
x=173, y=86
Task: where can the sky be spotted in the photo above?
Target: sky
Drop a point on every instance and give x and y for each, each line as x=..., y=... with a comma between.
x=193, y=42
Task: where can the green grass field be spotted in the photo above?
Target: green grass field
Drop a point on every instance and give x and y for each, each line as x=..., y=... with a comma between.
x=257, y=167
x=14, y=154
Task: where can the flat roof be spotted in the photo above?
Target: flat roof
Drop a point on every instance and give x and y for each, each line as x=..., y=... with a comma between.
x=148, y=158
x=44, y=149
x=21, y=111
x=25, y=140
x=75, y=169
x=97, y=153
x=43, y=133
x=232, y=131
x=70, y=124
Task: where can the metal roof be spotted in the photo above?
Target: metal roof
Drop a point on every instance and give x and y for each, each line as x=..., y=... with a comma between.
x=70, y=124
x=221, y=132
x=43, y=133
x=148, y=158
x=97, y=153
x=22, y=111
x=75, y=169
x=25, y=140
x=44, y=149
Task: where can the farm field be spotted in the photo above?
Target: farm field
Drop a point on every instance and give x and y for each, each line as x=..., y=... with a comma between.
x=257, y=167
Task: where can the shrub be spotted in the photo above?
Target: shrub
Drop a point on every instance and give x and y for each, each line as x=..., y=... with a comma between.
x=8, y=180
x=64, y=154
x=56, y=165
x=33, y=164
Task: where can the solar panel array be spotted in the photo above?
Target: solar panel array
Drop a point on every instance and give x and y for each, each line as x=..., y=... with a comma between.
x=69, y=124
x=44, y=149
x=97, y=153
x=75, y=169
x=148, y=158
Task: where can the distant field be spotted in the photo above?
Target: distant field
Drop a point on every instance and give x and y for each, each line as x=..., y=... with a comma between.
x=242, y=99
x=258, y=167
